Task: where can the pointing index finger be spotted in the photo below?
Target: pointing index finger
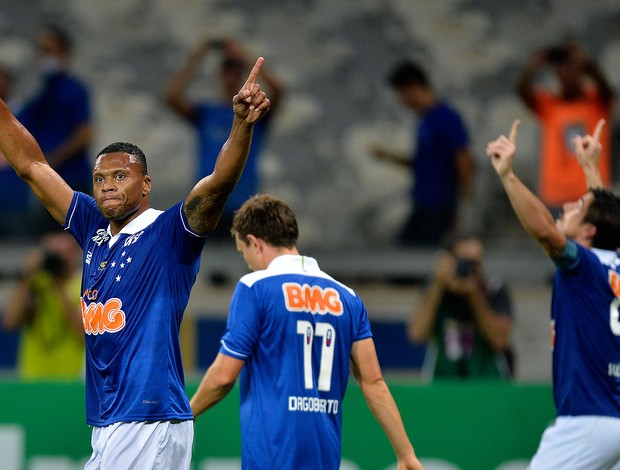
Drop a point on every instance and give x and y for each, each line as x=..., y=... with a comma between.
x=254, y=73
x=598, y=130
x=513, y=131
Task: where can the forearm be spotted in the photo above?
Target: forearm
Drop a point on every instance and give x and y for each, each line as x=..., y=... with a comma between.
x=383, y=407
x=210, y=391
x=233, y=155
x=593, y=175
x=186, y=73
x=525, y=83
x=605, y=89
x=533, y=215
x=204, y=204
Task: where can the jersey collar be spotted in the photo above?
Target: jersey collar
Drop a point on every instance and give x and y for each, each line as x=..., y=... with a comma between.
x=139, y=223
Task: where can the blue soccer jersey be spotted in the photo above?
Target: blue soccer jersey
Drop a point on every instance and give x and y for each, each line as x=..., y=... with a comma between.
x=294, y=326
x=586, y=335
x=135, y=287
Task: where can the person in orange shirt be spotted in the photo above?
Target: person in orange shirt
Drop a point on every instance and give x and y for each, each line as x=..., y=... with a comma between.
x=584, y=96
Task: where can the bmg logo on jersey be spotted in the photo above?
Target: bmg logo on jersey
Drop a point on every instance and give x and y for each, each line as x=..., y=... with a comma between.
x=312, y=299
x=101, y=318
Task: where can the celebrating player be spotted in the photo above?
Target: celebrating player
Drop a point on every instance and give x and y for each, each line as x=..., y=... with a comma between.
x=295, y=329
x=585, y=308
x=139, y=267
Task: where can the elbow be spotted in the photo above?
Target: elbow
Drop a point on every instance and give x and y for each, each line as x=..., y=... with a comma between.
x=28, y=171
x=221, y=379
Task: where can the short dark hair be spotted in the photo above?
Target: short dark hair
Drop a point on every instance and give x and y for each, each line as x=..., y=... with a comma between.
x=131, y=149
x=408, y=73
x=604, y=214
x=268, y=218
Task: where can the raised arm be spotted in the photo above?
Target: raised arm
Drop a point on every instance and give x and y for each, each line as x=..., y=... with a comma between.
x=532, y=213
x=525, y=84
x=205, y=202
x=175, y=90
x=422, y=320
x=588, y=151
x=593, y=71
x=366, y=369
x=25, y=156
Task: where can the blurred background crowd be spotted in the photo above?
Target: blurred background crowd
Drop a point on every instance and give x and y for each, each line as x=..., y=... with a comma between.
x=330, y=63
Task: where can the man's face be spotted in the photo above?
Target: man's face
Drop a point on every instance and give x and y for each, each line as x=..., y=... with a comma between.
x=119, y=185
x=249, y=252
x=410, y=96
x=571, y=222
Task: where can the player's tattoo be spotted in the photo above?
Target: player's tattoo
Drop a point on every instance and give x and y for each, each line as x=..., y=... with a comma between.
x=199, y=212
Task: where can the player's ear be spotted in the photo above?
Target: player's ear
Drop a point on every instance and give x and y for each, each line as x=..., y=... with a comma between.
x=253, y=241
x=146, y=185
x=588, y=230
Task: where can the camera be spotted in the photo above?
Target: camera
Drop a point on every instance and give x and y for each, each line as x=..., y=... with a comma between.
x=464, y=267
x=54, y=264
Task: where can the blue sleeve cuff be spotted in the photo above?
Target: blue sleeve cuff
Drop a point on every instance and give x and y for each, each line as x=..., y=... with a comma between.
x=569, y=255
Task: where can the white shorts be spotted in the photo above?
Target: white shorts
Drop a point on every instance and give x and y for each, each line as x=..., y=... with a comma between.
x=579, y=443
x=142, y=445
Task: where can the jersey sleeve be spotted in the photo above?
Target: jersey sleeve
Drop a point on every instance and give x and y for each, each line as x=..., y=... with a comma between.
x=173, y=231
x=363, y=324
x=243, y=325
x=82, y=216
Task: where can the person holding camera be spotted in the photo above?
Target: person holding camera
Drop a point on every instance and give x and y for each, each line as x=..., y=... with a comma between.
x=465, y=317
x=46, y=304
x=583, y=97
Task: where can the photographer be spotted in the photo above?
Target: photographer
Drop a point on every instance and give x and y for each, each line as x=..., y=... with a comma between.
x=467, y=317
x=578, y=96
x=46, y=304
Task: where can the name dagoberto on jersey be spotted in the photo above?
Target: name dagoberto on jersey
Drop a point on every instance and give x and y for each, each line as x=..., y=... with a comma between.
x=313, y=405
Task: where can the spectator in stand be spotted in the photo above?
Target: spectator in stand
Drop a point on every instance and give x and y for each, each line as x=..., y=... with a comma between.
x=59, y=117
x=45, y=304
x=14, y=193
x=212, y=118
x=442, y=166
x=466, y=317
x=584, y=96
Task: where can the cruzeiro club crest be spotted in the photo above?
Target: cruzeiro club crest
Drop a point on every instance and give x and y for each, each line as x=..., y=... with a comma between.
x=101, y=236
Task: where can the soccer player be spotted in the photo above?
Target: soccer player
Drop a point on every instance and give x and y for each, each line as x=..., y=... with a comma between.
x=585, y=309
x=292, y=332
x=139, y=266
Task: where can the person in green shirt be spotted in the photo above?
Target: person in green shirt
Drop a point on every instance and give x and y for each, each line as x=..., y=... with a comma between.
x=465, y=317
x=45, y=304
